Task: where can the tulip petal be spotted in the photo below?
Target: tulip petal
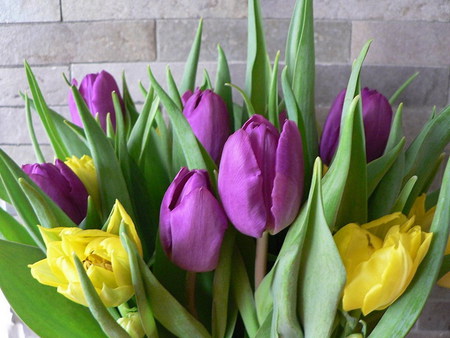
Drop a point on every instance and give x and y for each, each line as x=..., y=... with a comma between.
x=241, y=185
x=42, y=272
x=198, y=227
x=289, y=172
x=101, y=97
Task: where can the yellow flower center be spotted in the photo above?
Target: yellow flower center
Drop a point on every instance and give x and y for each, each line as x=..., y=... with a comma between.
x=96, y=260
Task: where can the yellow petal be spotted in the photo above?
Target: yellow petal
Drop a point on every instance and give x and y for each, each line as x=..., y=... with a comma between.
x=42, y=272
x=114, y=297
x=381, y=226
x=424, y=218
x=74, y=292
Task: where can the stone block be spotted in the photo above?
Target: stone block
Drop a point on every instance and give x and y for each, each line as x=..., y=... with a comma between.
x=403, y=43
x=23, y=154
x=83, y=10
x=435, y=317
x=30, y=11
x=62, y=43
x=50, y=80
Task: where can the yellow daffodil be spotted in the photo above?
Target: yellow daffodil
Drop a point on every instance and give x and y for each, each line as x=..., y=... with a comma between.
x=380, y=258
x=102, y=254
x=132, y=324
x=85, y=170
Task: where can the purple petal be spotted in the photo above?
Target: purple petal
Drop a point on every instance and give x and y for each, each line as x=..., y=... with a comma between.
x=288, y=184
x=101, y=98
x=186, y=97
x=76, y=119
x=198, y=227
x=240, y=185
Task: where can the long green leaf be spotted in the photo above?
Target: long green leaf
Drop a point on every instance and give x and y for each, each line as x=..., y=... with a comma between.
x=172, y=89
x=401, y=316
x=248, y=103
x=190, y=68
x=222, y=77
x=12, y=230
x=37, y=149
x=32, y=300
x=400, y=90
x=273, y=94
x=256, y=74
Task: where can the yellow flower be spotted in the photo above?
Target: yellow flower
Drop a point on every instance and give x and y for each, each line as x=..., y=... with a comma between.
x=85, y=170
x=380, y=258
x=102, y=254
x=132, y=324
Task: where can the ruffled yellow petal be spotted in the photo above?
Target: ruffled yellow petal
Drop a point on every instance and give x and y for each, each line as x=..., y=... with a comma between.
x=85, y=170
x=42, y=272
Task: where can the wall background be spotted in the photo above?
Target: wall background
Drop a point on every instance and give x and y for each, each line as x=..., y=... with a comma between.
x=83, y=36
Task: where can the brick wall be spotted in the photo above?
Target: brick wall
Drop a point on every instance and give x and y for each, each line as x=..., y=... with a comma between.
x=78, y=37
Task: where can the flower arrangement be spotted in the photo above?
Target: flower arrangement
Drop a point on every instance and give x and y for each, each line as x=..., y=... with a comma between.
x=199, y=217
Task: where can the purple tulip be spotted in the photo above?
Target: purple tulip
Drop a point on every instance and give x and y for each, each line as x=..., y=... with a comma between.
x=377, y=118
x=192, y=222
x=207, y=114
x=61, y=184
x=96, y=91
x=261, y=176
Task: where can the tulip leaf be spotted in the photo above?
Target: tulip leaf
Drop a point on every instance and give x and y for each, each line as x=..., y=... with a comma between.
x=221, y=285
x=243, y=294
x=92, y=220
x=31, y=300
x=265, y=328
x=222, y=77
x=97, y=308
x=238, y=116
x=12, y=230
x=263, y=297
x=173, y=89
x=49, y=214
x=273, y=94
x=142, y=298
x=445, y=267
x=37, y=149
x=396, y=132
x=190, y=68
x=41, y=107
x=111, y=181
x=319, y=295
x=300, y=62
x=403, y=313
x=400, y=90
x=256, y=74
x=206, y=81
x=404, y=195
x=425, y=150
x=130, y=108
x=247, y=101
x=378, y=168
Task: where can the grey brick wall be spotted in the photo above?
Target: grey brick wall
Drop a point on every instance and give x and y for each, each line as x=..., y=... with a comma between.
x=78, y=37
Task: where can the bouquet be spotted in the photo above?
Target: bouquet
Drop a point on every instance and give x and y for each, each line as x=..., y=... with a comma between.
x=196, y=216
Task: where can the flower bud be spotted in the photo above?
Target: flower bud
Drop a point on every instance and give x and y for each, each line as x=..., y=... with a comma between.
x=207, y=114
x=261, y=176
x=61, y=184
x=377, y=118
x=131, y=323
x=192, y=222
x=96, y=91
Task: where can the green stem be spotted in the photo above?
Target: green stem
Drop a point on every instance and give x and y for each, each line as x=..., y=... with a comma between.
x=261, y=258
x=191, y=278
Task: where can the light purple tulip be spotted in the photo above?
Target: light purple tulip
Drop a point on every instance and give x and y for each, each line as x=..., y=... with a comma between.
x=192, y=223
x=207, y=115
x=61, y=184
x=261, y=176
x=96, y=91
x=377, y=119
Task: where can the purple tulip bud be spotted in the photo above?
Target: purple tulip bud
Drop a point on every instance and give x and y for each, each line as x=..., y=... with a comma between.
x=377, y=118
x=207, y=114
x=96, y=91
x=61, y=184
x=192, y=222
x=261, y=176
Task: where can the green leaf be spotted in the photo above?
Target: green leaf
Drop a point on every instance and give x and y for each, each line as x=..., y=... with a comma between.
x=32, y=300
x=399, y=204
x=206, y=81
x=445, y=267
x=173, y=89
x=37, y=149
x=190, y=68
x=92, y=220
x=97, y=308
x=110, y=178
x=12, y=230
x=142, y=298
x=247, y=101
x=273, y=94
x=256, y=74
x=319, y=295
x=41, y=107
x=130, y=108
x=403, y=313
x=223, y=77
x=400, y=90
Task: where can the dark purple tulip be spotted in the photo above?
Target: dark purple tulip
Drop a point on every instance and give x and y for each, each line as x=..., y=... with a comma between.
x=61, y=184
x=192, y=222
x=207, y=114
x=377, y=118
x=261, y=176
x=96, y=91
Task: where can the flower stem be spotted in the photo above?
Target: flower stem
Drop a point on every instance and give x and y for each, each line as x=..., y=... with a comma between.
x=261, y=258
x=191, y=278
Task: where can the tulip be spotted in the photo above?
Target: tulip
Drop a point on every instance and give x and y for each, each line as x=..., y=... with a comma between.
x=96, y=91
x=261, y=176
x=102, y=253
x=85, y=170
x=131, y=323
x=380, y=259
x=377, y=118
x=61, y=184
x=192, y=222
x=207, y=115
